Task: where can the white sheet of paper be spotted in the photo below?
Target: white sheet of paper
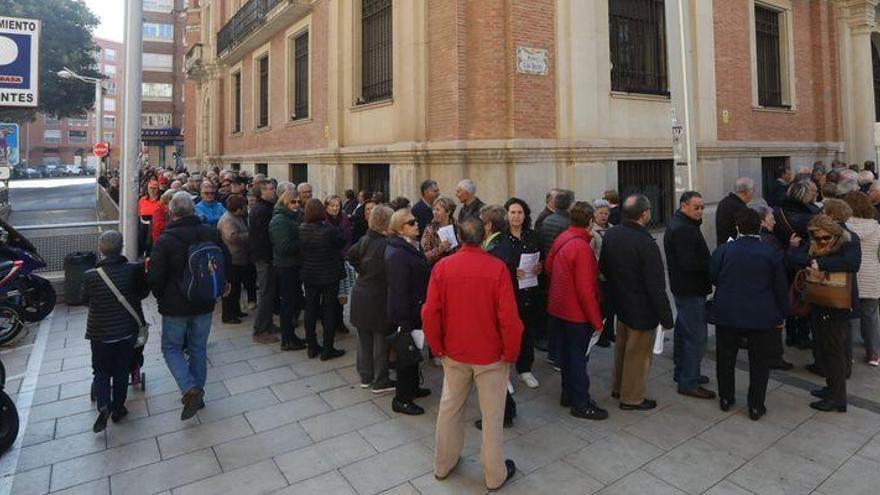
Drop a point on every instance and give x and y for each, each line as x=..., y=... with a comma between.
x=593, y=340
x=448, y=234
x=527, y=263
x=418, y=337
x=658, y=340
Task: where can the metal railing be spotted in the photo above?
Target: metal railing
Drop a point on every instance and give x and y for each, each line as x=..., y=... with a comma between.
x=55, y=241
x=248, y=18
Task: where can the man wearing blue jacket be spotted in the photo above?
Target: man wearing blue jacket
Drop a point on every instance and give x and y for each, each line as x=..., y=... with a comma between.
x=209, y=210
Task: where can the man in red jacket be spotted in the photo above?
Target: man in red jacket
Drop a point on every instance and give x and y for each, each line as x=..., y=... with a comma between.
x=471, y=321
x=573, y=305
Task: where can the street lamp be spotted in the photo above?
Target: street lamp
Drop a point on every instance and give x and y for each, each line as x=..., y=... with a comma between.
x=66, y=73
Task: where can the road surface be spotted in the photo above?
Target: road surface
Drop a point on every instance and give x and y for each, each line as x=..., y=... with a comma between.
x=52, y=201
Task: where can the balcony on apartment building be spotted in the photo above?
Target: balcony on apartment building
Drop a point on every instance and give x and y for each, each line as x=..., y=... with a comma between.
x=193, y=61
x=255, y=23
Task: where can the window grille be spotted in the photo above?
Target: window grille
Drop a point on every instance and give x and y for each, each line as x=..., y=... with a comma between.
x=376, y=63
x=301, y=77
x=768, y=57
x=638, y=46
x=374, y=177
x=263, y=69
x=654, y=179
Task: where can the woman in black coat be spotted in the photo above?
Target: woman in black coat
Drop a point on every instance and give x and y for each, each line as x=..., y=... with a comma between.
x=322, y=269
x=407, y=272
x=369, y=300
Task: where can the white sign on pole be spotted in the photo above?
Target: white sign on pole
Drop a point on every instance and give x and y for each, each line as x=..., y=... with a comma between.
x=19, y=62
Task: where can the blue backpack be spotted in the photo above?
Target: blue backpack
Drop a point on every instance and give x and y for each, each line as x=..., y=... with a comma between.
x=204, y=276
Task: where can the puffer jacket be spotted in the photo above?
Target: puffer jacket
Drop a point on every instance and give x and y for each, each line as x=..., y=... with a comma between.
x=574, y=279
x=868, y=277
x=108, y=320
x=320, y=245
x=210, y=212
x=554, y=225
x=284, y=234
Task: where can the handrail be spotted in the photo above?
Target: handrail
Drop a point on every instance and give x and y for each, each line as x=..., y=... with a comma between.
x=50, y=226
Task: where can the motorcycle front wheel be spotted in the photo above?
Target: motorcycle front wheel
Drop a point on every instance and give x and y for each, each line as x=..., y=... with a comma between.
x=11, y=325
x=39, y=298
x=8, y=422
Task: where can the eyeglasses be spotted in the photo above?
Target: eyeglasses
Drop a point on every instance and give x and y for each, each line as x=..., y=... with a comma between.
x=823, y=238
x=411, y=222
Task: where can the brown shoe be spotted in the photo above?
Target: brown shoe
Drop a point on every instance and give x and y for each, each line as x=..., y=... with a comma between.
x=192, y=402
x=266, y=338
x=698, y=393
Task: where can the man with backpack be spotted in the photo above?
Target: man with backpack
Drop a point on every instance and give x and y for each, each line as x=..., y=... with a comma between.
x=187, y=274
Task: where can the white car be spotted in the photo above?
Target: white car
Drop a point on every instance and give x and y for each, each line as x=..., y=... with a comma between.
x=72, y=170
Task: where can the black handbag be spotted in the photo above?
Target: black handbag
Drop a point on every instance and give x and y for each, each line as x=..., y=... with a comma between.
x=404, y=348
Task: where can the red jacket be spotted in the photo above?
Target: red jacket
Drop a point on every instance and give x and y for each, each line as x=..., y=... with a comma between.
x=574, y=279
x=470, y=312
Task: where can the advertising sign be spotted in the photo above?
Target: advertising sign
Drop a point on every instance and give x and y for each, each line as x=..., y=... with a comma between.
x=19, y=62
x=9, y=145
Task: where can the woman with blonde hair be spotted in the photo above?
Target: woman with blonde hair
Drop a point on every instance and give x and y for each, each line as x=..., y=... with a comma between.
x=434, y=248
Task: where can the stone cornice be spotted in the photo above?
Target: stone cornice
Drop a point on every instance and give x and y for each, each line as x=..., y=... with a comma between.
x=859, y=14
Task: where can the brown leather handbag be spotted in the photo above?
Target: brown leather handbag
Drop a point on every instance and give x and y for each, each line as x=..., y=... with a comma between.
x=828, y=289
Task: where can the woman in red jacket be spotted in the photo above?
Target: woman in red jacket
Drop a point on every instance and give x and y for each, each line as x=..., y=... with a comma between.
x=573, y=305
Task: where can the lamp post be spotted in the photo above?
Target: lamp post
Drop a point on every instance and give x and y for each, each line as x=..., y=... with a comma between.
x=66, y=73
x=131, y=127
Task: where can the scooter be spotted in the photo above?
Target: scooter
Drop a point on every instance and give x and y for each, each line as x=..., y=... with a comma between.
x=11, y=317
x=8, y=415
x=31, y=293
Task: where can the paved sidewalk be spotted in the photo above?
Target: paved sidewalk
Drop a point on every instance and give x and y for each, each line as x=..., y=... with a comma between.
x=281, y=423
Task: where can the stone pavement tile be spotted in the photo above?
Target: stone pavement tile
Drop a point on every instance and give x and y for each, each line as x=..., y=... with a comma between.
x=541, y=446
x=613, y=457
x=823, y=443
x=788, y=407
x=256, y=479
x=63, y=377
x=639, y=483
x=203, y=436
x=38, y=433
x=45, y=395
x=399, y=431
x=286, y=412
x=858, y=476
x=694, y=466
x=327, y=483
x=388, y=469
x=72, y=363
x=343, y=421
x=559, y=477
x=236, y=404
x=76, y=389
x=466, y=478
x=278, y=359
x=351, y=376
x=668, y=429
x=102, y=464
x=34, y=482
x=777, y=471
x=227, y=371
x=50, y=367
x=166, y=474
x=742, y=436
x=262, y=379
x=60, y=409
x=97, y=487
x=404, y=489
x=347, y=395
x=307, y=386
x=149, y=427
x=59, y=450
x=159, y=386
x=871, y=450
x=316, y=366
x=221, y=358
x=170, y=401
x=856, y=420
x=727, y=487
x=265, y=445
x=78, y=423
x=323, y=457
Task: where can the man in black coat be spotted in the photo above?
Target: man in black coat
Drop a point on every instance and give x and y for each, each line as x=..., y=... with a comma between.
x=632, y=265
x=780, y=186
x=261, y=250
x=549, y=208
x=424, y=209
x=725, y=227
x=556, y=223
x=687, y=261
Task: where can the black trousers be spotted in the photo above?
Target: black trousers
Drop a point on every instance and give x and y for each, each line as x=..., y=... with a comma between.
x=831, y=329
x=249, y=279
x=407, y=382
x=762, y=352
x=323, y=303
x=290, y=289
x=232, y=303
x=529, y=313
x=111, y=364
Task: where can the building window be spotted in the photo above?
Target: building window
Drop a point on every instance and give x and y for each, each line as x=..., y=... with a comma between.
x=158, y=62
x=772, y=168
x=52, y=136
x=298, y=172
x=109, y=121
x=158, y=32
x=164, y=6
x=638, y=46
x=236, y=102
x=236, y=166
x=109, y=104
x=374, y=177
x=300, y=48
x=768, y=56
x=78, y=121
x=654, y=179
x=110, y=88
x=77, y=137
x=875, y=59
x=109, y=137
x=109, y=55
x=263, y=91
x=157, y=91
x=376, y=61
x=109, y=70
x=262, y=168
x=52, y=119
x=156, y=120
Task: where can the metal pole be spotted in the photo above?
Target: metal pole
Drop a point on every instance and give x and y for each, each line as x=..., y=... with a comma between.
x=27, y=144
x=689, y=138
x=99, y=122
x=131, y=113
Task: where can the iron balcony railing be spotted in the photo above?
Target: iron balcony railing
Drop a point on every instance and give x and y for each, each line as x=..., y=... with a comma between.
x=248, y=19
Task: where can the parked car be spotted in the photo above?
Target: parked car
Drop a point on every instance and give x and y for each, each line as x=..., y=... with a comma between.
x=72, y=170
x=32, y=173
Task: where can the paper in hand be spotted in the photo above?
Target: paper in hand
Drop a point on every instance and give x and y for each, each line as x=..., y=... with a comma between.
x=448, y=234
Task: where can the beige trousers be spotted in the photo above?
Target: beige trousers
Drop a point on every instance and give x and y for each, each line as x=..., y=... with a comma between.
x=633, y=351
x=491, y=382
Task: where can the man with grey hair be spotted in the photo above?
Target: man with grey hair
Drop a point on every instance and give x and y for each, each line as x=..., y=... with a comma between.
x=466, y=192
x=549, y=208
x=305, y=192
x=209, y=210
x=259, y=217
x=847, y=182
x=185, y=324
x=110, y=328
x=738, y=200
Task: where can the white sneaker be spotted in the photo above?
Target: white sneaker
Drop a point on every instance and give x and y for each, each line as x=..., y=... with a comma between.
x=529, y=379
x=510, y=388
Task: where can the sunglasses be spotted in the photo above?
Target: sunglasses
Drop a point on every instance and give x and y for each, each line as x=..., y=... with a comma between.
x=823, y=238
x=410, y=222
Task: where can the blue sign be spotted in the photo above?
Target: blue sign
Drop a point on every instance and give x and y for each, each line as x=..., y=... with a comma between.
x=19, y=62
x=9, y=145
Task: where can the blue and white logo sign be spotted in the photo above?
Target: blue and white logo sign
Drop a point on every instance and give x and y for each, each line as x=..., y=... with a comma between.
x=19, y=62
x=8, y=145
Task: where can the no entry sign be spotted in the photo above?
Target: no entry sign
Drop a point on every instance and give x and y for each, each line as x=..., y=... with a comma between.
x=19, y=62
x=102, y=149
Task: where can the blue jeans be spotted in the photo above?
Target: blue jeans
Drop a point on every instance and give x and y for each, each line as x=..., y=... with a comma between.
x=574, y=339
x=185, y=347
x=689, y=340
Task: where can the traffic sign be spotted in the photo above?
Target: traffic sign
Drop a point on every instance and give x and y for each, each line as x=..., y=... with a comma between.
x=19, y=62
x=102, y=149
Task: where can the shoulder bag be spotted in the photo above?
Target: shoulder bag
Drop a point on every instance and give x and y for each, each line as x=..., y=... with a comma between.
x=828, y=289
x=143, y=326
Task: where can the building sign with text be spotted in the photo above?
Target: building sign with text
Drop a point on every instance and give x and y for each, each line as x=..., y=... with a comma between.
x=532, y=61
x=19, y=62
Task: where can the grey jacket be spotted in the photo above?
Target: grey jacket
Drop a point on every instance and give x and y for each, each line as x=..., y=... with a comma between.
x=234, y=233
x=552, y=226
x=370, y=294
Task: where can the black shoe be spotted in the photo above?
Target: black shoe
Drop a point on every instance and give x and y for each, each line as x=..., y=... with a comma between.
x=726, y=404
x=231, y=321
x=409, y=408
x=511, y=470
x=119, y=414
x=343, y=329
x=192, y=402
x=646, y=405
x=698, y=393
x=755, y=413
x=541, y=345
x=820, y=393
x=814, y=369
x=295, y=345
x=332, y=354
x=564, y=401
x=615, y=395
x=592, y=411
x=781, y=365
x=314, y=351
x=101, y=422
x=422, y=393
x=703, y=380
x=825, y=405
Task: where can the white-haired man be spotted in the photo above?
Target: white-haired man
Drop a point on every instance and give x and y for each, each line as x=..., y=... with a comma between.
x=736, y=201
x=466, y=192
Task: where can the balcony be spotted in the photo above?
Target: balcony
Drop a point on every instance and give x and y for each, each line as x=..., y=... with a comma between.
x=256, y=22
x=193, y=60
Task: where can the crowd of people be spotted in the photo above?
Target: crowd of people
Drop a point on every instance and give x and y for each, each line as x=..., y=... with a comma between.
x=480, y=288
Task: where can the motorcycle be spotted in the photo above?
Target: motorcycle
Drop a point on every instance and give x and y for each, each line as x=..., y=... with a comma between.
x=8, y=415
x=11, y=318
x=32, y=294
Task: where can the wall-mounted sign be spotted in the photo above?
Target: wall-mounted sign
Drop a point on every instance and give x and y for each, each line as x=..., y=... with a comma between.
x=9, y=155
x=532, y=61
x=19, y=62
x=160, y=133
